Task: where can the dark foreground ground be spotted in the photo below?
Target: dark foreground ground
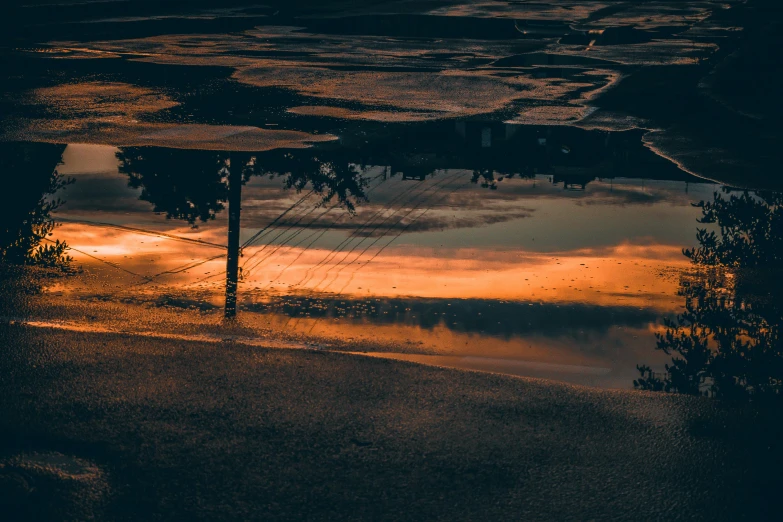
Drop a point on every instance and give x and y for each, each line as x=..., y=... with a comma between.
x=112, y=427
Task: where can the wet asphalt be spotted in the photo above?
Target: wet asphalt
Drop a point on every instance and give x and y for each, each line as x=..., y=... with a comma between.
x=218, y=431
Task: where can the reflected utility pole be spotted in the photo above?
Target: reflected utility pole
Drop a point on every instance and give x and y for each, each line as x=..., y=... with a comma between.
x=232, y=259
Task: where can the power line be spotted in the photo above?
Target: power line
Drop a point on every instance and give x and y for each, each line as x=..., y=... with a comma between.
x=402, y=231
x=143, y=231
x=113, y=265
x=308, y=274
x=427, y=189
x=249, y=270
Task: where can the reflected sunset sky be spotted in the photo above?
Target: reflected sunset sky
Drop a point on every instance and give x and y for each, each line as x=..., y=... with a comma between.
x=619, y=240
x=597, y=268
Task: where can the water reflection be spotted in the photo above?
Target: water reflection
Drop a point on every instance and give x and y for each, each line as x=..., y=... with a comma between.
x=390, y=239
x=330, y=175
x=193, y=185
x=26, y=211
x=196, y=185
x=727, y=343
x=188, y=186
x=487, y=317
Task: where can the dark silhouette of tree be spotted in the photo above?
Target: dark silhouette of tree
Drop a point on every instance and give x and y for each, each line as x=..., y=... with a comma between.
x=193, y=185
x=182, y=184
x=487, y=178
x=26, y=212
x=727, y=343
x=328, y=174
x=751, y=226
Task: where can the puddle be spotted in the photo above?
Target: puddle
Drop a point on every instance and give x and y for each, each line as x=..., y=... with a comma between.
x=549, y=258
x=501, y=186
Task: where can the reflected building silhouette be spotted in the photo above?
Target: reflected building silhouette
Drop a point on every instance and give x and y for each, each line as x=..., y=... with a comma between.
x=727, y=343
x=496, y=149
